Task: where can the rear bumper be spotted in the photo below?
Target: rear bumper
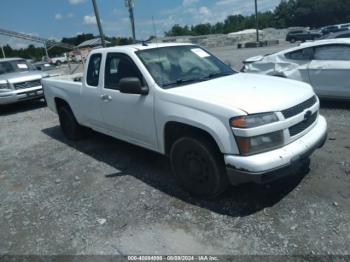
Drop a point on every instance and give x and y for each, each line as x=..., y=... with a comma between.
x=270, y=166
x=21, y=95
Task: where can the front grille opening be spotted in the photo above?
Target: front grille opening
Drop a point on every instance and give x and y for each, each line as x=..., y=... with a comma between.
x=302, y=126
x=27, y=84
x=293, y=111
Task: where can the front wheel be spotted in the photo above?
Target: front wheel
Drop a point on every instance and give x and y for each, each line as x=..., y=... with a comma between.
x=198, y=167
x=69, y=125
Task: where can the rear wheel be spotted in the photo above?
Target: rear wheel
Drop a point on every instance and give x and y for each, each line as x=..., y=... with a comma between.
x=69, y=125
x=292, y=40
x=198, y=167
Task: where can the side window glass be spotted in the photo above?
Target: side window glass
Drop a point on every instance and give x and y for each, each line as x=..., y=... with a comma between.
x=344, y=36
x=93, y=72
x=119, y=66
x=304, y=54
x=333, y=52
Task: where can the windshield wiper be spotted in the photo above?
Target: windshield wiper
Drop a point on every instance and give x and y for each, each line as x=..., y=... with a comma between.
x=215, y=75
x=184, y=81
x=201, y=79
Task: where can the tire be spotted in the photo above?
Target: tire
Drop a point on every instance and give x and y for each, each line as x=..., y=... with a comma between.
x=305, y=167
x=58, y=63
x=198, y=167
x=69, y=125
x=292, y=40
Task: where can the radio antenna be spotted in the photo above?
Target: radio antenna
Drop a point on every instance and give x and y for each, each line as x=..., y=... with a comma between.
x=155, y=30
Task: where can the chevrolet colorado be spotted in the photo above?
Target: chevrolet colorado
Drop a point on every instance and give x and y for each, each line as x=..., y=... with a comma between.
x=216, y=125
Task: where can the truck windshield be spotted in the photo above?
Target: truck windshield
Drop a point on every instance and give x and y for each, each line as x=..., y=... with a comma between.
x=13, y=66
x=181, y=65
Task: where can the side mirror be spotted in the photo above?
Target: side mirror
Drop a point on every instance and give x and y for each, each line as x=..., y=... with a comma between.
x=132, y=85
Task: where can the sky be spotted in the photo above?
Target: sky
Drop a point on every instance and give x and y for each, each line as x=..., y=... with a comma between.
x=55, y=19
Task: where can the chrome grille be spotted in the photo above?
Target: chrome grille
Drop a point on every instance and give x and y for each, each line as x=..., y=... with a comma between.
x=293, y=111
x=27, y=84
x=302, y=126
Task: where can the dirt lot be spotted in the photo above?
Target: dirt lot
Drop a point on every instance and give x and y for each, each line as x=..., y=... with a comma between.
x=103, y=196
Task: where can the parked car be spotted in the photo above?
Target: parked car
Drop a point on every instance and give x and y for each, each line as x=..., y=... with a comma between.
x=216, y=125
x=302, y=35
x=18, y=81
x=335, y=28
x=342, y=34
x=43, y=66
x=49, y=69
x=77, y=58
x=324, y=64
x=59, y=60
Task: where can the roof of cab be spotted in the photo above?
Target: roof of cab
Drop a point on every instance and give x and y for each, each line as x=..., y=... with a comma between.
x=140, y=46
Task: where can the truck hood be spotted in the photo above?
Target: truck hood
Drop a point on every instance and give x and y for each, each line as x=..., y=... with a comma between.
x=17, y=77
x=248, y=92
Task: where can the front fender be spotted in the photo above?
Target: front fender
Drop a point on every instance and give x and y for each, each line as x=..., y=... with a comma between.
x=214, y=125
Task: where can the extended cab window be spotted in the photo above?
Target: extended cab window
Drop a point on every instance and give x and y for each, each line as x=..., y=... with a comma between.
x=93, y=72
x=119, y=66
x=303, y=54
x=333, y=52
x=343, y=36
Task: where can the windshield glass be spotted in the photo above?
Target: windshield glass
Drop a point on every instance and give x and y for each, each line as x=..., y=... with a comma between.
x=181, y=65
x=13, y=66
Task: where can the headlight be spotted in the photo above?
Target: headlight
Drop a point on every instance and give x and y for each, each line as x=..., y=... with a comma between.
x=4, y=85
x=251, y=121
x=259, y=144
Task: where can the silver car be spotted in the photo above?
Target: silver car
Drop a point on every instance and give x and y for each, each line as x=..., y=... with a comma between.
x=324, y=64
x=18, y=81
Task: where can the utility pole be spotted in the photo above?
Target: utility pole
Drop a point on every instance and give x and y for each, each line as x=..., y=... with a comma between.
x=97, y=15
x=257, y=21
x=130, y=5
x=46, y=52
x=3, y=51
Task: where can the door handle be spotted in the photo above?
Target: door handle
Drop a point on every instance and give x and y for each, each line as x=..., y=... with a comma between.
x=106, y=98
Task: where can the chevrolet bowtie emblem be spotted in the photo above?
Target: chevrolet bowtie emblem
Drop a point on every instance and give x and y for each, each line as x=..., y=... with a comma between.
x=307, y=115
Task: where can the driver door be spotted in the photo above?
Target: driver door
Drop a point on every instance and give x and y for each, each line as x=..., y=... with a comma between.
x=128, y=117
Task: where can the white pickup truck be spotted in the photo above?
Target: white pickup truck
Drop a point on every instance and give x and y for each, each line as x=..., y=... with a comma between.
x=216, y=125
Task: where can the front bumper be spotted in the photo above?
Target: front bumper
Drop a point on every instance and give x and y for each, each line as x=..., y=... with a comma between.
x=269, y=166
x=15, y=96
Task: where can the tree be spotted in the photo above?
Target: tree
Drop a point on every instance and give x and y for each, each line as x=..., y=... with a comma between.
x=177, y=30
x=202, y=29
x=309, y=13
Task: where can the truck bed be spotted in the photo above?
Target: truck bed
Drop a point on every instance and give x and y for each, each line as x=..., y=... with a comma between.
x=66, y=87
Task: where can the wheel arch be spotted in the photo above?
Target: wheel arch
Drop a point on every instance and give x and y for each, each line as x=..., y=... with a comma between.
x=61, y=102
x=173, y=130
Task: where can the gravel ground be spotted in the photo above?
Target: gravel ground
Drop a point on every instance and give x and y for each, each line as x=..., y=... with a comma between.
x=103, y=196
